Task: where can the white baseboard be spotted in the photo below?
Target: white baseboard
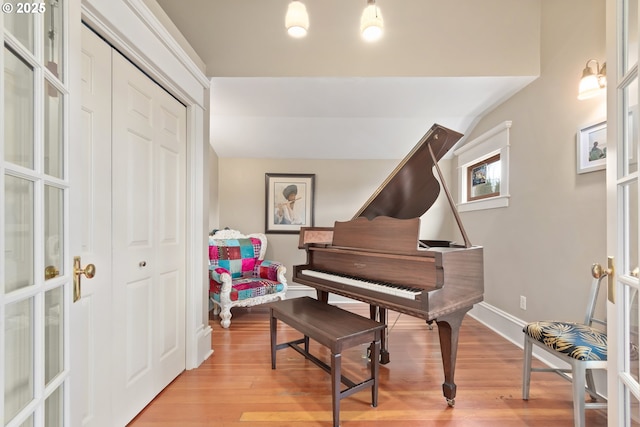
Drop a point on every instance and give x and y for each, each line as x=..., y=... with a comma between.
x=510, y=327
x=204, y=345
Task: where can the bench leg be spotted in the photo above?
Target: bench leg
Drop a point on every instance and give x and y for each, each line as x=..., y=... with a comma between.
x=273, y=328
x=375, y=372
x=336, y=376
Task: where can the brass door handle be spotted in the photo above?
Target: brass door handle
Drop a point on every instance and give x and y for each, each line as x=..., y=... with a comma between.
x=599, y=271
x=50, y=272
x=89, y=271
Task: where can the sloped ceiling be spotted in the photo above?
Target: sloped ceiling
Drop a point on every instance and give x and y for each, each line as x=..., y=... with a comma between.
x=331, y=95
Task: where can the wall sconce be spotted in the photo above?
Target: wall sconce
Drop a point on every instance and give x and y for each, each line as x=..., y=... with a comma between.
x=371, y=23
x=592, y=83
x=297, y=19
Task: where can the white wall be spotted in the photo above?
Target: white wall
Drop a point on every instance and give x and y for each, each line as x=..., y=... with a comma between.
x=542, y=246
x=214, y=209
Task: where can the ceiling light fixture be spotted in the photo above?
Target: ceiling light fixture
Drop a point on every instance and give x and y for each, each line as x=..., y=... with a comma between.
x=592, y=83
x=297, y=19
x=371, y=22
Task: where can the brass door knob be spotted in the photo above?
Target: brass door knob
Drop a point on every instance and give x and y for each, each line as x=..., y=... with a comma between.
x=89, y=271
x=599, y=271
x=50, y=272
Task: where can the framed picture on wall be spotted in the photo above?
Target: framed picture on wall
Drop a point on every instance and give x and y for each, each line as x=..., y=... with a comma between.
x=289, y=202
x=592, y=148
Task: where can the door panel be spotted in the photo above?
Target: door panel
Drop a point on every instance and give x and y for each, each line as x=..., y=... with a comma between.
x=148, y=238
x=91, y=326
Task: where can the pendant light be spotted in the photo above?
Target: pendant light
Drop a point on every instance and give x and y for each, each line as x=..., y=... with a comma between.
x=371, y=23
x=297, y=19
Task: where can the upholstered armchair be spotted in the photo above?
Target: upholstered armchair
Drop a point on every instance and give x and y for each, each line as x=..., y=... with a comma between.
x=239, y=276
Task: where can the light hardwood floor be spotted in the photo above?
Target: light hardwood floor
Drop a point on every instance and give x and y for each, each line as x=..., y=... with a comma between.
x=236, y=386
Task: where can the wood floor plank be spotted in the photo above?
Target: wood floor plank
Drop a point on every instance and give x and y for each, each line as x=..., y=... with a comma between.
x=236, y=386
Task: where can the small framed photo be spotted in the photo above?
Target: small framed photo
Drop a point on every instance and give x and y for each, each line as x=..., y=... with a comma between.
x=289, y=202
x=592, y=148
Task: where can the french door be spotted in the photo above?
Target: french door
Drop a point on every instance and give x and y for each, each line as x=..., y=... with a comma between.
x=623, y=233
x=34, y=356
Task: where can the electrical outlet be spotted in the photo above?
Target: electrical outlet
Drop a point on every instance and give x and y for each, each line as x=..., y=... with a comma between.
x=523, y=302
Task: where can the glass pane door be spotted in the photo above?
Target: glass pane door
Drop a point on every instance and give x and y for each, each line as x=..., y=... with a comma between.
x=36, y=285
x=622, y=210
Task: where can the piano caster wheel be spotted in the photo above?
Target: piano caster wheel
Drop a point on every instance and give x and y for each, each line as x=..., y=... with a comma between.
x=430, y=325
x=451, y=402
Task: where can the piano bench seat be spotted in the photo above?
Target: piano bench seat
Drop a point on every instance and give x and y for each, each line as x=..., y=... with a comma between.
x=334, y=328
x=239, y=276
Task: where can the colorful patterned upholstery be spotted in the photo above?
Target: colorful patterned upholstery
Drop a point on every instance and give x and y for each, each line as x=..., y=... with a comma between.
x=244, y=288
x=580, y=346
x=238, y=257
x=576, y=340
x=239, y=276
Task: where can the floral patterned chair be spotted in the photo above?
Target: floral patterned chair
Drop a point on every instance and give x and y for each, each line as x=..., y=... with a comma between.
x=239, y=276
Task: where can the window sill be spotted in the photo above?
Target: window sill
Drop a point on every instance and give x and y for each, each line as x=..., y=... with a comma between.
x=490, y=203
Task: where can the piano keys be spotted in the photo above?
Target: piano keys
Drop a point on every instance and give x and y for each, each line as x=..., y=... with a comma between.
x=377, y=256
x=373, y=285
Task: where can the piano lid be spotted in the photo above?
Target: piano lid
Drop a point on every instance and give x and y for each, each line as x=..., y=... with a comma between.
x=412, y=188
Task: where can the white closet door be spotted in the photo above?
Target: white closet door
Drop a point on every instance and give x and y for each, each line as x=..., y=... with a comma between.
x=91, y=326
x=149, y=139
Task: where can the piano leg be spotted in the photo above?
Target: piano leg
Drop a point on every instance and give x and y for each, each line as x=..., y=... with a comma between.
x=323, y=296
x=380, y=314
x=448, y=331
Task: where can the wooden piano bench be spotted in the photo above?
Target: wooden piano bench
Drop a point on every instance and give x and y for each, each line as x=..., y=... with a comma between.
x=337, y=330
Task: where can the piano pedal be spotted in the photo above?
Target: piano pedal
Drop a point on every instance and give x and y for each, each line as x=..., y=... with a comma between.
x=384, y=355
x=366, y=353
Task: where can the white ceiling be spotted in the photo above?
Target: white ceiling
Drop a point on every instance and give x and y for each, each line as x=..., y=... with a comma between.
x=346, y=118
x=327, y=117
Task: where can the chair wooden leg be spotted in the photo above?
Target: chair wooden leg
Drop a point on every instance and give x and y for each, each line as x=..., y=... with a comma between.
x=225, y=317
x=578, y=381
x=526, y=368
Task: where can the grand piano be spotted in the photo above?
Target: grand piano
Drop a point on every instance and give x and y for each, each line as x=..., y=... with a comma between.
x=377, y=256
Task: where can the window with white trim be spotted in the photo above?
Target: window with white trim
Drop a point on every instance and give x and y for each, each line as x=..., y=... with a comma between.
x=483, y=170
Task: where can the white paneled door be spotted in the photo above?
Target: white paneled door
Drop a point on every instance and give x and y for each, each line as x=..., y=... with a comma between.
x=129, y=324
x=91, y=323
x=149, y=141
